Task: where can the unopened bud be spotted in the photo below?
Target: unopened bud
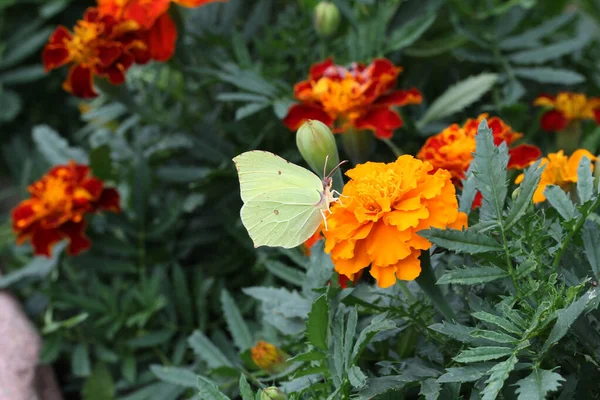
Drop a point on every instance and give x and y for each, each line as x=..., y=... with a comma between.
x=515, y=193
x=272, y=393
x=317, y=144
x=269, y=357
x=326, y=18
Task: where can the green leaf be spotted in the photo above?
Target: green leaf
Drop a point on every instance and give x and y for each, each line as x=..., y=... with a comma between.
x=493, y=336
x=54, y=148
x=21, y=75
x=498, y=321
x=183, y=298
x=378, y=323
x=540, y=55
x=101, y=163
x=80, y=361
x=242, y=338
x=591, y=237
x=10, y=105
x=430, y=389
x=468, y=373
x=559, y=200
x=245, y=389
x=284, y=272
x=566, y=317
x=489, y=168
x=455, y=331
x=349, y=336
x=526, y=190
x=585, y=181
x=249, y=109
x=469, y=191
x=436, y=47
x=409, y=32
x=537, y=385
x=530, y=37
x=32, y=44
x=483, y=353
x=377, y=386
x=208, y=390
x=356, y=377
x=177, y=376
x=318, y=322
x=472, y=276
x=37, y=269
x=550, y=75
x=461, y=241
x=499, y=374
x=458, y=97
x=207, y=351
x=313, y=355
x=100, y=385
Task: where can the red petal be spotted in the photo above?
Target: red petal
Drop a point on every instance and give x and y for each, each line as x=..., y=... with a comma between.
x=553, y=120
x=162, y=37
x=381, y=120
x=400, y=98
x=477, y=201
x=299, y=113
x=23, y=215
x=91, y=14
x=75, y=231
x=196, y=3
x=597, y=115
x=109, y=200
x=303, y=90
x=146, y=13
x=317, y=70
x=94, y=187
x=109, y=54
x=523, y=155
x=55, y=53
x=80, y=82
x=382, y=66
x=43, y=240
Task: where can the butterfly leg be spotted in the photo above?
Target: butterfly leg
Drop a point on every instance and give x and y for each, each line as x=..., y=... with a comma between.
x=324, y=218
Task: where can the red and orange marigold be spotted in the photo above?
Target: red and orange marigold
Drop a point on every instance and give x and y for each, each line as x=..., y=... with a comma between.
x=383, y=207
x=57, y=207
x=453, y=148
x=566, y=107
x=358, y=97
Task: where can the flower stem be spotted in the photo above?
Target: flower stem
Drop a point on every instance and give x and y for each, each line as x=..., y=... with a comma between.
x=395, y=149
x=568, y=139
x=426, y=281
x=358, y=145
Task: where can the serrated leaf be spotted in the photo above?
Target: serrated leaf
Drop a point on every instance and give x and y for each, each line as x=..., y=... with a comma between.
x=208, y=390
x=458, y=97
x=455, y=331
x=207, y=351
x=493, y=336
x=377, y=386
x=100, y=385
x=245, y=388
x=537, y=385
x=498, y=321
x=526, y=267
x=559, y=200
x=585, y=181
x=499, y=374
x=566, y=317
x=242, y=338
x=430, y=389
x=249, y=109
x=409, y=33
x=550, y=75
x=378, y=323
x=483, y=353
x=318, y=322
x=530, y=37
x=472, y=276
x=284, y=272
x=543, y=54
x=468, y=373
x=526, y=190
x=54, y=148
x=356, y=377
x=591, y=238
x=489, y=167
x=349, y=336
x=177, y=376
x=469, y=191
x=461, y=241
x=308, y=356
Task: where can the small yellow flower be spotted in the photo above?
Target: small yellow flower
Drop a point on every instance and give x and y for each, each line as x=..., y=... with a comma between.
x=268, y=357
x=566, y=107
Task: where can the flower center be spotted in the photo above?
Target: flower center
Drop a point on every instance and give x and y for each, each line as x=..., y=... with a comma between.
x=573, y=105
x=82, y=46
x=340, y=97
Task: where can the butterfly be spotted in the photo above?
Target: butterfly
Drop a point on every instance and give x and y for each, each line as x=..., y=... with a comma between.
x=283, y=202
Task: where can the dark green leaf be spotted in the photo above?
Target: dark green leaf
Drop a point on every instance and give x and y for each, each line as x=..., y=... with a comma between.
x=54, y=148
x=499, y=374
x=591, y=238
x=245, y=389
x=242, y=337
x=483, y=353
x=498, y=321
x=468, y=373
x=318, y=323
x=409, y=32
x=461, y=241
x=100, y=385
x=585, y=181
x=177, y=376
x=101, y=163
x=80, y=361
x=208, y=390
x=543, y=54
x=550, y=75
x=282, y=271
x=537, y=385
x=526, y=190
x=561, y=202
x=472, y=276
x=207, y=351
x=378, y=323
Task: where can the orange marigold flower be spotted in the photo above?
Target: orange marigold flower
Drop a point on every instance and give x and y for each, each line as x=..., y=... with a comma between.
x=56, y=209
x=160, y=32
x=453, y=148
x=566, y=107
x=560, y=170
x=268, y=357
x=383, y=207
x=98, y=46
x=360, y=97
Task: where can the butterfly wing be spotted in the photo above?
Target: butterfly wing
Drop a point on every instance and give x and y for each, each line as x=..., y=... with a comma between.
x=283, y=201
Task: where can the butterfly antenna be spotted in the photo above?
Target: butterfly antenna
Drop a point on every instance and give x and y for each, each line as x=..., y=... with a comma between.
x=325, y=166
x=336, y=168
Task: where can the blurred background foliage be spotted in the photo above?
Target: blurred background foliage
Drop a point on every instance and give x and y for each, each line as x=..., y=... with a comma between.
x=157, y=272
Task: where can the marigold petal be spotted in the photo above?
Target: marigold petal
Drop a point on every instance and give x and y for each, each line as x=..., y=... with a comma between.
x=575, y=160
x=522, y=156
x=80, y=82
x=386, y=244
x=400, y=98
x=351, y=266
x=162, y=37
x=43, y=240
x=75, y=232
x=385, y=276
x=381, y=120
x=545, y=100
x=55, y=53
x=196, y=3
x=146, y=13
x=409, y=268
x=553, y=120
x=300, y=113
x=318, y=69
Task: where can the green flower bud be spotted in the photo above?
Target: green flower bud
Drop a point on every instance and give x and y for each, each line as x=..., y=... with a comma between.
x=515, y=193
x=272, y=393
x=326, y=19
x=316, y=144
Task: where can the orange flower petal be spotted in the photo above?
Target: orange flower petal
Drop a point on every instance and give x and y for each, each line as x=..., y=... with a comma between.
x=400, y=98
x=162, y=37
x=385, y=276
x=409, y=268
x=387, y=244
